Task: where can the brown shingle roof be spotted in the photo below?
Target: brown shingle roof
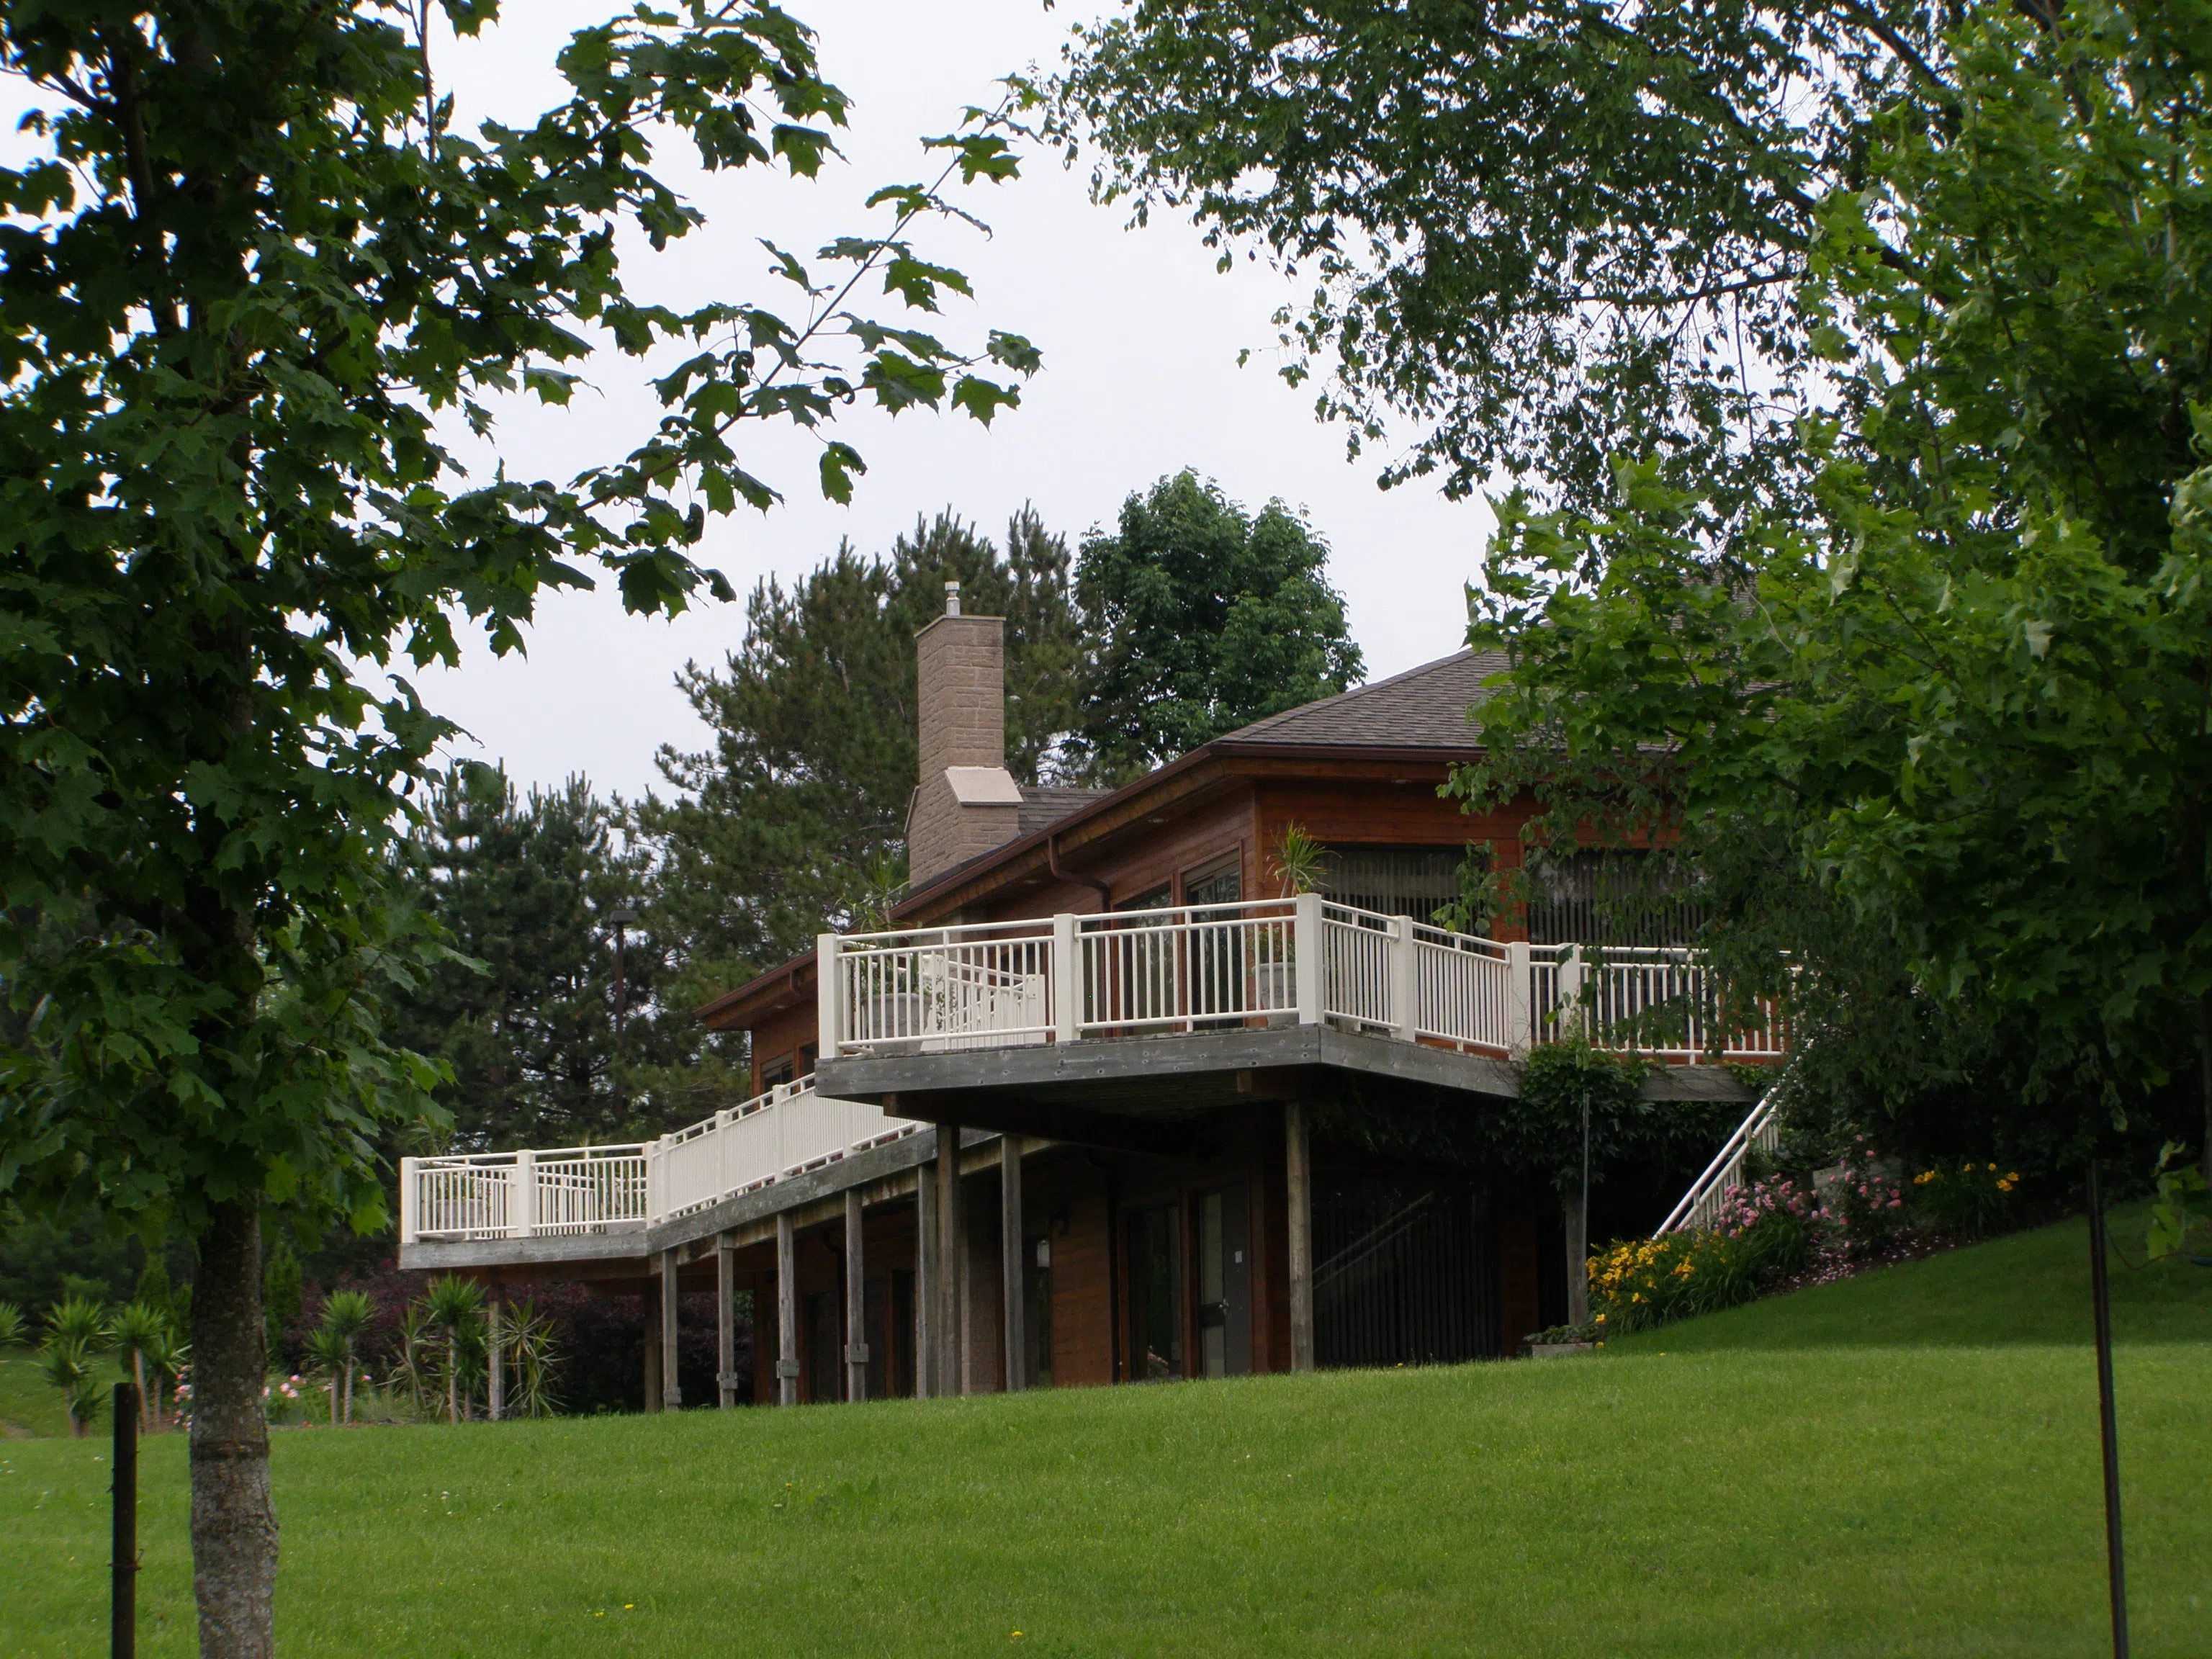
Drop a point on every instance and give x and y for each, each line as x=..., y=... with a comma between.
x=1424, y=708
x=1048, y=803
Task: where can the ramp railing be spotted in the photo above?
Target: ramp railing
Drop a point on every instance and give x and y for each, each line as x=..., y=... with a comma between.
x=785, y=1130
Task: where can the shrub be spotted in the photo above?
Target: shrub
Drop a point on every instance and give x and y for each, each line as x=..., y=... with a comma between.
x=1865, y=1204
x=11, y=1325
x=1767, y=1231
x=1973, y=1201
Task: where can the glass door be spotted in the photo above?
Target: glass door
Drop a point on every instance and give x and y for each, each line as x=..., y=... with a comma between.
x=1224, y=1284
x=1155, y=1293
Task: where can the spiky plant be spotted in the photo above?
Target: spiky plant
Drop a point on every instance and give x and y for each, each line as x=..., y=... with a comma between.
x=80, y=1319
x=530, y=1338
x=346, y=1315
x=1300, y=862
x=453, y=1305
x=11, y=1325
x=72, y=1366
x=328, y=1354
x=409, y=1372
x=166, y=1357
x=137, y=1326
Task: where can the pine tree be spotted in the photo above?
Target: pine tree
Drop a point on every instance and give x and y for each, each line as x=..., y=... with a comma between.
x=1201, y=618
x=527, y=891
x=797, y=813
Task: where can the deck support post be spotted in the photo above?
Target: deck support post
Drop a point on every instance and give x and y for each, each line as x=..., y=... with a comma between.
x=652, y=1346
x=925, y=1271
x=1010, y=1260
x=787, y=1312
x=951, y=1260
x=495, y=1351
x=856, y=1302
x=672, y=1389
x=1298, y=1184
x=725, y=1320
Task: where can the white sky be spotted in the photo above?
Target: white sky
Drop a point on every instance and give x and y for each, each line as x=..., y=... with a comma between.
x=1140, y=336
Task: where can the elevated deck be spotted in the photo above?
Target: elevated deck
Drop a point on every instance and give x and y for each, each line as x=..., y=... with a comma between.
x=1123, y=1030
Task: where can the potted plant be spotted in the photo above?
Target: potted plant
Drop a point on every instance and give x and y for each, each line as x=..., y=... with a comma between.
x=1301, y=865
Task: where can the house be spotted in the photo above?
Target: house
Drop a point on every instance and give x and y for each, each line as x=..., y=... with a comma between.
x=1097, y=1110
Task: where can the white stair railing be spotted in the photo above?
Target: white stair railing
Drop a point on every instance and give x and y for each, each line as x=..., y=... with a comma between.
x=1701, y=1205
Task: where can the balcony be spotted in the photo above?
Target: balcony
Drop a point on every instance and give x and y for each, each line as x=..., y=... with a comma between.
x=1258, y=965
x=1142, y=1009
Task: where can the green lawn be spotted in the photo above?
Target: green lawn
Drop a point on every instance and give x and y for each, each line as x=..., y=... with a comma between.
x=1880, y=1467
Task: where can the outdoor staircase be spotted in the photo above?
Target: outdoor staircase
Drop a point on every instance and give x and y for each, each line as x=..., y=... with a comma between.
x=1700, y=1206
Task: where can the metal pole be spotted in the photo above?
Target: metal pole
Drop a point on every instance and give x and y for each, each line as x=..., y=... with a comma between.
x=2100, y=1297
x=123, y=1572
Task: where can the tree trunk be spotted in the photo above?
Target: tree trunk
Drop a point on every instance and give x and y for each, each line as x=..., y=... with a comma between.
x=234, y=1522
x=145, y=1399
x=1577, y=1206
x=452, y=1377
x=348, y=1388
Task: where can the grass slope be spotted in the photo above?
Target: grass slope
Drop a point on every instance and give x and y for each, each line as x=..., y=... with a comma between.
x=1855, y=1472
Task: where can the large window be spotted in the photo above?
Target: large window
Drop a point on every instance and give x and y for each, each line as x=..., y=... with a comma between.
x=1394, y=881
x=1612, y=897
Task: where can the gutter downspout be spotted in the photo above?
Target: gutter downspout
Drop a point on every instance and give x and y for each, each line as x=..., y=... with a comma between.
x=1104, y=890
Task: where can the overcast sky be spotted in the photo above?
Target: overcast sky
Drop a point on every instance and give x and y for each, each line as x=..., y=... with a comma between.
x=1140, y=338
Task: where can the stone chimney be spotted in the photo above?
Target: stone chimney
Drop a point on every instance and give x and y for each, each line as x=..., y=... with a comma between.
x=967, y=802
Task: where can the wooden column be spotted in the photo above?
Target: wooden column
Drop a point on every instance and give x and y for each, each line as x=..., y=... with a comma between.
x=726, y=1319
x=1298, y=1182
x=496, y=1352
x=652, y=1347
x=926, y=1274
x=671, y=1390
x=1010, y=1262
x=856, y=1300
x=786, y=1313
x=952, y=1259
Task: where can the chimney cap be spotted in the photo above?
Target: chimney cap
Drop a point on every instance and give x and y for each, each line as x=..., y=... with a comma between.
x=952, y=598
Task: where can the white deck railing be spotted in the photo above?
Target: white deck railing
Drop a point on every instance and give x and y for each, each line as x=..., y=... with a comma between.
x=1207, y=967
x=612, y=1189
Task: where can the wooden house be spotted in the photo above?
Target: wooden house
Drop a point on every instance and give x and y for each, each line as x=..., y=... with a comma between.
x=1110, y=1102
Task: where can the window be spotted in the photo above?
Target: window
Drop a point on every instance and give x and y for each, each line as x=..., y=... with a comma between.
x=776, y=1070
x=1223, y=884
x=1613, y=897
x=1394, y=881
